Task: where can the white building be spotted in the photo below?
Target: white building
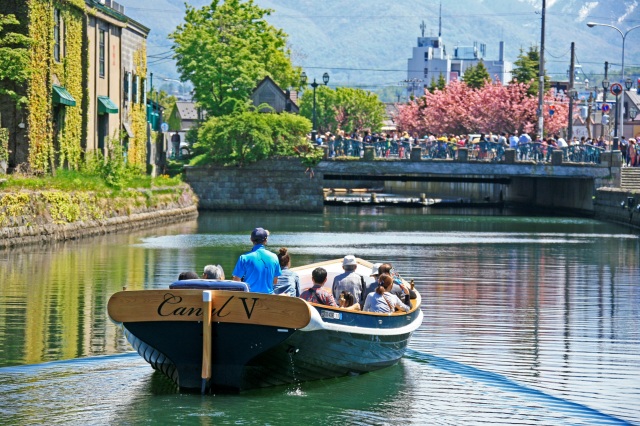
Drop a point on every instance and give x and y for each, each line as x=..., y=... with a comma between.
x=430, y=60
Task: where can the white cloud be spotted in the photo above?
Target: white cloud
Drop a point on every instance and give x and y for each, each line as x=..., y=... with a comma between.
x=585, y=10
x=630, y=8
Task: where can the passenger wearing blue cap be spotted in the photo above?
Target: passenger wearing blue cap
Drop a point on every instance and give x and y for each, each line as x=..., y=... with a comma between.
x=259, y=268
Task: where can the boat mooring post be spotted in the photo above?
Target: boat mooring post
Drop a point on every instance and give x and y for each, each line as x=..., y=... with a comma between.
x=207, y=305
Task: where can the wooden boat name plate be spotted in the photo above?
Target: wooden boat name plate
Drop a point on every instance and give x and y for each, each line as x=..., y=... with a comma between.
x=228, y=306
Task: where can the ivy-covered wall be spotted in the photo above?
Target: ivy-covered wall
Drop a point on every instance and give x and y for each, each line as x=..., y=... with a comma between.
x=40, y=146
x=138, y=146
x=69, y=72
x=40, y=126
x=4, y=148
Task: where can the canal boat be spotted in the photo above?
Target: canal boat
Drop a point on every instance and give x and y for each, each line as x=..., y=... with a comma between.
x=208, y=335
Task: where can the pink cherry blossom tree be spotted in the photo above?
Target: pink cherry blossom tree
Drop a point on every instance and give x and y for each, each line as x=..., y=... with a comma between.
x=459, y=109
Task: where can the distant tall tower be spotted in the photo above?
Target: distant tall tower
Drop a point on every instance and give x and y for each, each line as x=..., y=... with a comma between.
x=430, y=61
x=439, y=22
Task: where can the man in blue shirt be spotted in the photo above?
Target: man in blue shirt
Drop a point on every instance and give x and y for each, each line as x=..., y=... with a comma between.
x=259, y=268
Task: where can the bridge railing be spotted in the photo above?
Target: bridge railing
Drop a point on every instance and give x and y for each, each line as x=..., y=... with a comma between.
x=478, y=151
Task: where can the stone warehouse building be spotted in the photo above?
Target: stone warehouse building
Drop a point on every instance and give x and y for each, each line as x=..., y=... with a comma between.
x=86, y=85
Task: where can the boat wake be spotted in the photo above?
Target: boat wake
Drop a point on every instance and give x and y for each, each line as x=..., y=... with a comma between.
x=502, y=383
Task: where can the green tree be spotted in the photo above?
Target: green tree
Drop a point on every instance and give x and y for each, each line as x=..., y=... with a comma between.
x=14, y=60
x=526, y=70
x=343, y=108
x=165, y=100
x=248, y=136
x=225, y=48
x=433, y=85
x=325, y=108
x=476, y=76
x=442, y=83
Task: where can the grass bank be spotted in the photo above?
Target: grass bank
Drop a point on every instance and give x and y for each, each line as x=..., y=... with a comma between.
x=73, y=204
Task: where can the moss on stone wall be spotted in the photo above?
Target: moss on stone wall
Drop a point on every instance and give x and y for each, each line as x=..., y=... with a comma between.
x=31, y=208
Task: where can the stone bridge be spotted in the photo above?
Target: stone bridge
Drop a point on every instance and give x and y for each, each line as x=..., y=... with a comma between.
x=566, y=186
x=284, y=184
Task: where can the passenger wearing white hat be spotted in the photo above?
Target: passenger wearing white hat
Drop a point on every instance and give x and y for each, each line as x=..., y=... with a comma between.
x=375, y=273
x=349, y=280
x=374, y=270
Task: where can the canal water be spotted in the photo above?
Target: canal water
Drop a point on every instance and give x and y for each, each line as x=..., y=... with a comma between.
x=528, y=320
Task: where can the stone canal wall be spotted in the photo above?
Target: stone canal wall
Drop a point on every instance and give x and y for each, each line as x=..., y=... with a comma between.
x=269, y=185
x=32, y=217
x=607, y=205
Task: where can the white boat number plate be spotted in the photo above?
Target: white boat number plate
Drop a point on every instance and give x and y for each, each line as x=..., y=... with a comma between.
x=332, y=315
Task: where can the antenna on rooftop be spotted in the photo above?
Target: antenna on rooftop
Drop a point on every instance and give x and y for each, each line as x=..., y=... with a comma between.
x=423, y=27
x=440, y=22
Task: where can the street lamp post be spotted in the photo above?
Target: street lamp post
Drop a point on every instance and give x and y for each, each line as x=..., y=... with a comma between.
x=624, y=37
x=628, y=84
x=325, y=80
x=173, y=80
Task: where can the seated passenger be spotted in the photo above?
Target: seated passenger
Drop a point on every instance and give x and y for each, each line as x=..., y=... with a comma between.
x=398, y=285
x=349, y=280
x=383, y=301
x=317, y=293
x=288, y=283
x=213, y=272
x=347, y=301
x=188, y=275
x=375, y=273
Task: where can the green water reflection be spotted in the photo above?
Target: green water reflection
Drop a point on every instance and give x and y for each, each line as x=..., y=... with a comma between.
x=549, y=303
x=53, y=298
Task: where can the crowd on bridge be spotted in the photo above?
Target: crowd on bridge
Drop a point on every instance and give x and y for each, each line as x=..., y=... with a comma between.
x=487, y=147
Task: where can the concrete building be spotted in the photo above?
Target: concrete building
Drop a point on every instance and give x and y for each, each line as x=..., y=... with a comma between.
x=430, y=60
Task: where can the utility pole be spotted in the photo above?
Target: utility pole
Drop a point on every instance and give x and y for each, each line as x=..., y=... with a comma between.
x=604, y=95
x=541, y=74
x=589, y=108
x=572, y=91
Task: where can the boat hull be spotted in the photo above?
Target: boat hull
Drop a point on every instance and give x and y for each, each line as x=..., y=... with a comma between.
x=248, y=356
x=212, y=335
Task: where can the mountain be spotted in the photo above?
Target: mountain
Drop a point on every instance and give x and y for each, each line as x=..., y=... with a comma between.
x=366, y=43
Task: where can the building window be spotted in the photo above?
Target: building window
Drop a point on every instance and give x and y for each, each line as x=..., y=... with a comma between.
x=426, y=72
x=134, y=89
x=125, y=86
x=143, y=83
x=102, y=52
x=56, y=34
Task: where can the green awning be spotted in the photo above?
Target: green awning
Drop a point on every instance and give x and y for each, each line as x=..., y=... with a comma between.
x=62, y=96
x=106, y=106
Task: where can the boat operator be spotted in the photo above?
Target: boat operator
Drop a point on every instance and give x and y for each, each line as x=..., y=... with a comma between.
x=259, y=268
